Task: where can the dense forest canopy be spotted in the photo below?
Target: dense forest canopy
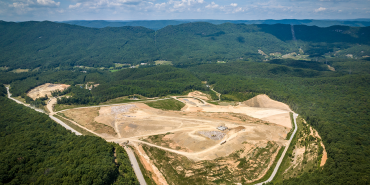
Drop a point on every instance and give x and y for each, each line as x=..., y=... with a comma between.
x=29, y=45
x=158, y=24
x=36, y=150
x=335, y=101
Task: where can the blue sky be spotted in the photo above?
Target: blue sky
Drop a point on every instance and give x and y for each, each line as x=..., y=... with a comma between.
x=59, y=10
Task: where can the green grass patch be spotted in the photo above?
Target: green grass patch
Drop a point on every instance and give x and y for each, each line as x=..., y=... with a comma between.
x=287, y=158
x=114, y=70
x=293, y=127
x=169, y=104
x=213, y=102
x=163, y=62
x=119, y=100
x=271, y=169
x=59, y=107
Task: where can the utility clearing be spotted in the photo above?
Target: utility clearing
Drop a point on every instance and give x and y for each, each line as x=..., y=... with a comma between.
x=246, y=137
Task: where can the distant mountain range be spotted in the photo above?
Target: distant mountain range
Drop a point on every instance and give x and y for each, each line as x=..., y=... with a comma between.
x=28, y=45
x=158, y=24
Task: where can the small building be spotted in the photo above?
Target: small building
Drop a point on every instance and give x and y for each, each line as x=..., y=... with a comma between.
x=143, y=64
x=222, y=128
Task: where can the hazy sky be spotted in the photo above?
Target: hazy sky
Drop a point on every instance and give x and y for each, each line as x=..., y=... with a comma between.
x=58, y=10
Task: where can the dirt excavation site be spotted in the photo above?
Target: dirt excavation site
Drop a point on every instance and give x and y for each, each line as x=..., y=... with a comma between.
x=46, y=89
x=246, y=138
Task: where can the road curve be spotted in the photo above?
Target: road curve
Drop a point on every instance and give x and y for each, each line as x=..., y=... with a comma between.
x=19, y=102
x=131, y=155
x=39, y=110
x=284, y=152
x=135, y=165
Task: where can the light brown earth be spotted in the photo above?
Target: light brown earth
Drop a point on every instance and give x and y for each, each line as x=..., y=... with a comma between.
x=263, y=101
x=46, y=89
x=256, y=122
x=86, y=118
x=198, y=94
x=149, y=166
x=20, y=70
x=139, y=121
x=324, y=153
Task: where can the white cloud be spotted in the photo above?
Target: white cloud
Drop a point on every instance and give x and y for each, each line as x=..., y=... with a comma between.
x=238, y=10
x=212, y=5
x=320, y=9
x=234, y=4
x=48, y=3
x=74, y=6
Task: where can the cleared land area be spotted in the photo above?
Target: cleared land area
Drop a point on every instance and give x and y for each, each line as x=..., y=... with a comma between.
x=46, y=89
x=256, y=130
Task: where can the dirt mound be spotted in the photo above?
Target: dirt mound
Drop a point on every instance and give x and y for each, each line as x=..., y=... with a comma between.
x=46, y=89
x=264, y=101
x=199, y=95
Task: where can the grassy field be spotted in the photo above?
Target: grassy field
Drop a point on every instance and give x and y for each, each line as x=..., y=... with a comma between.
x=124, y=99
x=269, y=172
x=293, y=127
x=19, y=70
x=163, y=62
x=59, y=107
x=77, y=128
x=169, y=104
x=213, y=102
x=4, y=68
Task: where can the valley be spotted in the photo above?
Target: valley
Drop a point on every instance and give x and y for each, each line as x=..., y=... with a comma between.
x=193, y=103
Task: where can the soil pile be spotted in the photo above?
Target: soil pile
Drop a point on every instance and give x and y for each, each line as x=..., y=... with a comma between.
x=264, y=101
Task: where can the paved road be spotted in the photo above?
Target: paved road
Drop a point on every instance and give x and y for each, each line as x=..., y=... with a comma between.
x=19, y=102
x=131, y=155
x=135, y=165
x=39, y=110
x=284, y=152
x=64, y=125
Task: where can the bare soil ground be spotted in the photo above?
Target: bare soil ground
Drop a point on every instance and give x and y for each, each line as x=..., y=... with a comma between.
x=86, y=118
x=263, y=101
x=46, y=89
x=253, y=132
x=305, y=156
x=248, y=164
x=20, y=70
x=199, y=94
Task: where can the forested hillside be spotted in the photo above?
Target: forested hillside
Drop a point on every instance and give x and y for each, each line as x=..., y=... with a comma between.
x=158, y=24
x=29, y=45
x=36, y=150
x=329, y=86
